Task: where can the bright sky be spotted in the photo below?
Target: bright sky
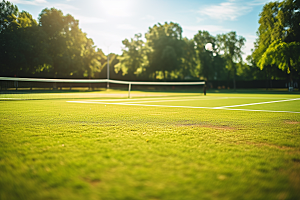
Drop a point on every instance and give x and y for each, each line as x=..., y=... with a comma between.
x=108, y=22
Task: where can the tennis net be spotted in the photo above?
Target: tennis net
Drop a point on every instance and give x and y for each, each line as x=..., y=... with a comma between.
x=10, y=84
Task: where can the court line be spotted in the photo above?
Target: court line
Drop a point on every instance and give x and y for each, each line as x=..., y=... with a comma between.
x=272, y=111
x=187, y=99
x=193, y=107
x=192, y=97
x=153, y=100
x=176, y=99
x=136, y=104
x=251, y=104
x=183, y=99
x=168, y=98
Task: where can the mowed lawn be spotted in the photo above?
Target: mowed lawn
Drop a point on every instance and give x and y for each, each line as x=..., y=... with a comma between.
x=159, y=147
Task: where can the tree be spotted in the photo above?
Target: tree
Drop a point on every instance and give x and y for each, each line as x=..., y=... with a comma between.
x=25, y=19
x=8, y=14
x=166, y=48
x=61, y=32
x=205, y=57
x=251, y=70
x=231, y=45
x=56, y=47
x=188, y=67
x=279, y=31
x=22, y=50
x=114, y=71
x=133, y=60
x=289, y=20
x=90, y=58
x=284, y=55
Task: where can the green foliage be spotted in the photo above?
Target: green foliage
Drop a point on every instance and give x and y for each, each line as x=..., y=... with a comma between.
x=189, y=66
x=133, y=61
x=8, y=15
x=57, y=47
x=289, y=19
x=23, y=47
x=91, y=58
x=166, y=48
x=54, y=47
x=25, y=20
x=60, y=30
x=282, y=54
x=205, y=58
x=279, y=31
x=231, y=45
x=113, y=60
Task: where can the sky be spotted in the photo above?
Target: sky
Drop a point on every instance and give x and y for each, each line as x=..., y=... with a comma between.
x=108, y=22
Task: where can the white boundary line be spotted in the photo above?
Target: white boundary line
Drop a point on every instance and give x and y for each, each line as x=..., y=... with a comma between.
x=251, y=104
x=272, y=111
x=169, y=106
x=183, y=99
x=167, y=97
x=176, y=99
x=105, y=100
x=190, y=97
x=136, y=104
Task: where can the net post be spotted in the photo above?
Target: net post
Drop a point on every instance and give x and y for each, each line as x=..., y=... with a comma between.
x=16, y=84
x=129, y=88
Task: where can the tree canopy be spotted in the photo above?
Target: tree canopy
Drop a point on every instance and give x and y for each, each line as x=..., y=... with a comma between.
x=165, y=44
x=231, y=45
x=133, y=59
x=278, y=37
x=54, y=46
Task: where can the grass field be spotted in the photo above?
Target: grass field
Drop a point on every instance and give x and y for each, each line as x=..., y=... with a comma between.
x=101, y=145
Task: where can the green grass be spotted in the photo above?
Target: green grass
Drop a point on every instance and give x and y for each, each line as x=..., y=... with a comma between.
x=54, y=149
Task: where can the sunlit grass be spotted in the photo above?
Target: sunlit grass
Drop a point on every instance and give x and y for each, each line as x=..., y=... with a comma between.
x=52, y=149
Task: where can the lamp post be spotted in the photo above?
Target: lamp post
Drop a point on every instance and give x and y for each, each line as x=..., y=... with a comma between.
x=107, y=76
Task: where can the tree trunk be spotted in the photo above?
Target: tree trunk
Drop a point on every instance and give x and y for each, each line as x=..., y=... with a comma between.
x=234, y=83
x=267, y=78
x=228, y=79
x=291, y=84
x=54, y=76
x=291, y=73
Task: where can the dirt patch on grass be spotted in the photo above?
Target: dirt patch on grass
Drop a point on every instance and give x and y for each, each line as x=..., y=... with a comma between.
x=208, y=126
x=260, y=144
x=292, y=122
x=93, y=182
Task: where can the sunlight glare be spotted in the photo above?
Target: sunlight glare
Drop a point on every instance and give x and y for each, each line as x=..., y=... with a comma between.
x=117, y=8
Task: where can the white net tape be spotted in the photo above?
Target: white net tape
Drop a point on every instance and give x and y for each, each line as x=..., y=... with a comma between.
x=97, y=81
